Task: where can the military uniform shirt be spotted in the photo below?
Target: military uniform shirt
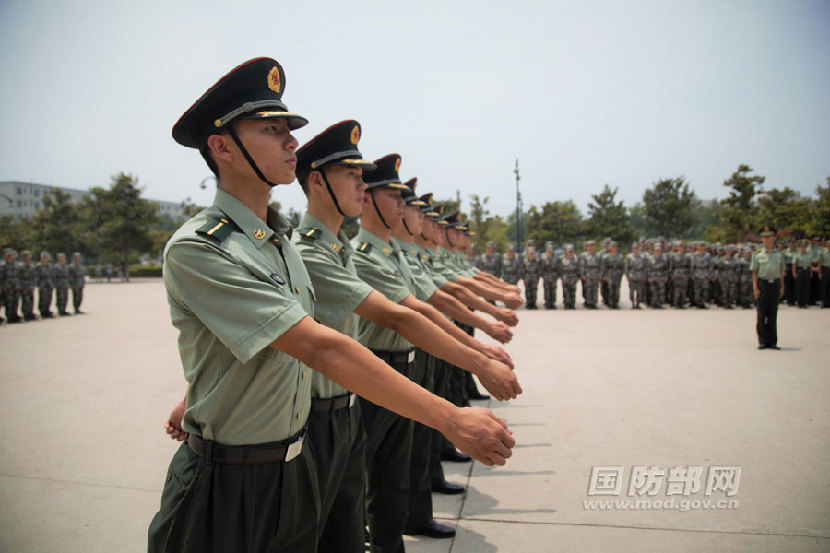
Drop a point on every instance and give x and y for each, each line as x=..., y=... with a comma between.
x=424, y=286
x=768, y=265
x=338, y=289
x=377, y=265
x=232, y=291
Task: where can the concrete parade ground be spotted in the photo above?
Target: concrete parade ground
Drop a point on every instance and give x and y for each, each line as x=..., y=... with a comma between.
x=637, y=431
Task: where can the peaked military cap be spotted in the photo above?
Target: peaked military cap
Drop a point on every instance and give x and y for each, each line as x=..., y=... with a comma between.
x=252, y=90
x=409, y=195
x=385, y=174
x=337, y=145
x=491, y=244
x=452, y=219
x=428, y=207
x=767, y=231
x=440, y=219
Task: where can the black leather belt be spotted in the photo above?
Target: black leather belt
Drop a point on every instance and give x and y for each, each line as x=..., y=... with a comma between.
x=768, y=281
x=238, y=455
x=396, y=357
x=332, y=403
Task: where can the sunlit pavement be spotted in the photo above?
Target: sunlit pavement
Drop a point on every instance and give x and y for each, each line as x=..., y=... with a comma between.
x=662, y=405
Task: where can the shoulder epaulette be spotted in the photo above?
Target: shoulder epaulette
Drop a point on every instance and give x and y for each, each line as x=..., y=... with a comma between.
x=218, y=229
x=364, y=247
x=312, y=233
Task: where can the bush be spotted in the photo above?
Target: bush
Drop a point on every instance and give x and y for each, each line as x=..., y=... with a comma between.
x=145, y=271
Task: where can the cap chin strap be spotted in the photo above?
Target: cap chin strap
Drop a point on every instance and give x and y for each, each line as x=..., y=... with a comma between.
x=382, y=220
x=447, y=234
x=403, y=220
x=331, y=193
x=245, y=153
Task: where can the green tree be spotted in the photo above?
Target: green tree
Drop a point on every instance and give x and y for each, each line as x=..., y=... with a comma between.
x=58, y=226
x=607, y=217
x=480, y=217
x=557, y=222
x=820, y=212
x=669, y=207
x=739, y=217
x=120, y=219
x=785, y=210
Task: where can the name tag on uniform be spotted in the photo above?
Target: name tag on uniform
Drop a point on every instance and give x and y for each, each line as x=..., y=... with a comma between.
x=294, y=449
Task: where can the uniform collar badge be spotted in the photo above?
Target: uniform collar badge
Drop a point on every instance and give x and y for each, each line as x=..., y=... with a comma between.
x=259, y=234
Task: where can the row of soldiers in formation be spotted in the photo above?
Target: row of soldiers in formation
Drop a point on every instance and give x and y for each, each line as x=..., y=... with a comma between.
x=20, y=279
x=690, y=274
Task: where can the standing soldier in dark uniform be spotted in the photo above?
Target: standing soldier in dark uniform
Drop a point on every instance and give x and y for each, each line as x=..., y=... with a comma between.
x=702, y=273
x=635, y=272
x=611, y=268
x=60, y=273
x=789, y=282
x=491, y=261
x=801, y=275
x=657, y=273
x=530, y=274
x=824, y=262
x=570, y=276
x=679, y=265
x=767, y=268
x=77, y=280
x=27, y=286
x=511, y=266
x=589, y=274
x=10, y=284
x=603, y=283
x=551, y=272
x=45, y=282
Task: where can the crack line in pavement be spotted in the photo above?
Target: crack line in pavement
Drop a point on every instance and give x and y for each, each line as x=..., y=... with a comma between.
x=738, y=532
x=79, y=483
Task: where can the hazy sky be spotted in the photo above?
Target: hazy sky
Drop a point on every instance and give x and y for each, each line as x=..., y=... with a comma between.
x=583, y=93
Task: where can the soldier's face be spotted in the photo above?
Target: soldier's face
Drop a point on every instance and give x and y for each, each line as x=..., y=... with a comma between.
x=27, y=259
x=414, y=219
x=591, y=248
x=271, y=145
x=347, y=184
x=489, y=250
x=388, y=202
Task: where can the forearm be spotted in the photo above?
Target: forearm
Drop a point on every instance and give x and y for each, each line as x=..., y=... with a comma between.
x=472, y=301
x=451, y=307
x=480, y=289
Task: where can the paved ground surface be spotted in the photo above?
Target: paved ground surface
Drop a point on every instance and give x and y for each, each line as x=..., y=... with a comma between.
x=83, y=454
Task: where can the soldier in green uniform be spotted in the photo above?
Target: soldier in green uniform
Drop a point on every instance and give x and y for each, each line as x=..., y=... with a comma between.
x=589, y=273
x=45, y=283
x=28, y=281
x=789, y=282
x=551, y=273
x=611, y=269
x=824, y=264
x=801, y=272
x=767, y=266
x=243, y=303
x=60, y=274
x=77, y=281
x=635, y=272
x=389, y=436
x=10, y=285
x=532, y=270
x=570, y=276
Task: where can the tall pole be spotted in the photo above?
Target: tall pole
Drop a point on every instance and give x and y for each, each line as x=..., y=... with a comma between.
x=518, y=210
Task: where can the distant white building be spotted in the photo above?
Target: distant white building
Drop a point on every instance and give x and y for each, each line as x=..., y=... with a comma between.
x=20, y=199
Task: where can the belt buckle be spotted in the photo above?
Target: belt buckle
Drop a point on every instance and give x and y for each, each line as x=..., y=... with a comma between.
x=294, y=449
x=352, y=399
x=411, y=357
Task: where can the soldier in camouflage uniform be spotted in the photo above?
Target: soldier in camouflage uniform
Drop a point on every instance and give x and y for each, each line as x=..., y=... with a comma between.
x=491, y=261
x=27, y=286
x=603, y=284
x=702, y=273
x=729, y=278
x=715, y=288
x=532, y=270
x=611, y=271
x=570, y=276
x=10, y=283
x=589, y=274
x=657, y=273
x=679, y=270
x=511, y=266
x=77, y=281
x=635, y=272
x=60, y=273
x=551, y=272
x=745, y=298
x=45, y=282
